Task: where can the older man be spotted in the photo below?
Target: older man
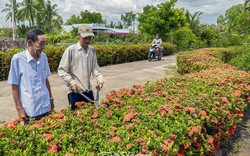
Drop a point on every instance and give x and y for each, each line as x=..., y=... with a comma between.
x=28, y=76
x=77, y=65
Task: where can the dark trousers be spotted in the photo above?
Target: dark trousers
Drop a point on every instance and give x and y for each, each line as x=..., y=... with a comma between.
x=76, y=97
x=39, y=117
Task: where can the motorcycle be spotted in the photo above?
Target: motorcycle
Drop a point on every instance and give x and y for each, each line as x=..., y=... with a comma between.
x=154, y=52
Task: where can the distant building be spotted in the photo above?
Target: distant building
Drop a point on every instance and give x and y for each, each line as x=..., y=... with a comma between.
x=98, y=29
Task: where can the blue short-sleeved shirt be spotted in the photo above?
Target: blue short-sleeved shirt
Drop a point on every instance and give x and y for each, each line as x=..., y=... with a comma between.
x=30, y=76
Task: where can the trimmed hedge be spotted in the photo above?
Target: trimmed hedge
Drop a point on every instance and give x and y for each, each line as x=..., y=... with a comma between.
x=242, y=59
x=106, y=55
x=191, y=114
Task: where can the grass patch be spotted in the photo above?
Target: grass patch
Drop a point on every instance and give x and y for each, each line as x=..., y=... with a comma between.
x=171, y=67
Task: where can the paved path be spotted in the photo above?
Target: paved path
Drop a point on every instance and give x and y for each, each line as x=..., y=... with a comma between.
x=116, y=77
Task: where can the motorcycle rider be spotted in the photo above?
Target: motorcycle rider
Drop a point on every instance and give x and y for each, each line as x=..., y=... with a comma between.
x=157, y=40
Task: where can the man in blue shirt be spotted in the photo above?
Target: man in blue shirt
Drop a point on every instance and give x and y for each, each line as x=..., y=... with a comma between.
x=28, y=77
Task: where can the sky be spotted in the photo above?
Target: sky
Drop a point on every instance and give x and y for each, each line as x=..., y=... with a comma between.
x=111, y=10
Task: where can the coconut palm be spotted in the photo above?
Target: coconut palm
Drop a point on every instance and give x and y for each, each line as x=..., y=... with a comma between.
x=50, y=18
x=28, y=12
x=8, y=8
x=193, y=20
x=247, y=5
x=40, y=5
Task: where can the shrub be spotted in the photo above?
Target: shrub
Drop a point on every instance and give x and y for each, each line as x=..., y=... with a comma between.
x=6, y=32
x=242, y=59
x=191, y=114
x=106, y=55
x=185, y=39
x=57, y=38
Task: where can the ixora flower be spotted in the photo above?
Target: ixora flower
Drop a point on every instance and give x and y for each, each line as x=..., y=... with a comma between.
x=193, y=113
x=58, y=115
x=53, y=148
x=129, y=116
x=111, y=133
x=116, y=139
x=48, y=136
x=2, y=134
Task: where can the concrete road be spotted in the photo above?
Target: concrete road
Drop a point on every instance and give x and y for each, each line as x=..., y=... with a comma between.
x=116, y=77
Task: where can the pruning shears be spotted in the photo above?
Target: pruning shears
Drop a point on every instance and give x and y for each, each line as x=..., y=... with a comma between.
x=96, y=102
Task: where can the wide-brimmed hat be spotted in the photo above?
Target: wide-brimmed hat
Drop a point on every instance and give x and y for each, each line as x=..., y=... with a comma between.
x=85, y=30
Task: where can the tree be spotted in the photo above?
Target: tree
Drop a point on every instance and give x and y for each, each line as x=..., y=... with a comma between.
x=8, y=8
x=111, y=24
x=40, y=5
x=28, y=12
x=86, y=17
x=73, y=20
x=119, y=25
x=51, y=18
x=185, y=39
x=234, y=26
x=12, y=9
x=161, y=19
x=232, y=17
x=128, y=19
x=237, y=20
x=247, y=5
x=193, y=20
x=209, y=35
x=221, y=22
x=143, y=18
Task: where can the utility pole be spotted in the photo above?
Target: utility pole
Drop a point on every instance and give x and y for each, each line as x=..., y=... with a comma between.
x=134, y=18
x=13, y=21
x=134, y=25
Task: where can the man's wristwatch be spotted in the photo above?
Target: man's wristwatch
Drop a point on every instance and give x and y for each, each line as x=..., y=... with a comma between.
x=51, y=99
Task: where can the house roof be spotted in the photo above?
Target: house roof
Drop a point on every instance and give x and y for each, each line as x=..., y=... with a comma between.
x=96, y=28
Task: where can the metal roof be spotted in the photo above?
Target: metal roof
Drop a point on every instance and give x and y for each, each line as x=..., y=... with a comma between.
x=68, y=28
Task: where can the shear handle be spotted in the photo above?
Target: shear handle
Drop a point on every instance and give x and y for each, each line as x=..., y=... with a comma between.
x=97, y=92
x=87, y=98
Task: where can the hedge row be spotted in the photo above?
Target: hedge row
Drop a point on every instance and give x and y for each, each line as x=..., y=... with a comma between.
x=106, y=55
x=191, y=114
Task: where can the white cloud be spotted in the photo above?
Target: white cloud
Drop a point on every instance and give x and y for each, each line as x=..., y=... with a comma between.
x=111, y=10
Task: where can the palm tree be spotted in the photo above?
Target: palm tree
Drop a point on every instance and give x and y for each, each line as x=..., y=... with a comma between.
x=8, y=8
x=12, y=9
x=51, y=19
x=40, y=5
x=28, y=12
x=194, y=19
x=247, y=5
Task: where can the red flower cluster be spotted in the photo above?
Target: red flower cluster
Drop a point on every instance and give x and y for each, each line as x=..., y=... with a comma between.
x=48, y=136
x=53, y=148
x=166, y=109
x=129, y=116
x=117, y=139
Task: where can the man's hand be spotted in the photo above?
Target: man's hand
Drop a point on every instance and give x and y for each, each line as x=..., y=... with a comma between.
x=22, y=114
x=74, y=88
x=100, y=84
x=52, y=104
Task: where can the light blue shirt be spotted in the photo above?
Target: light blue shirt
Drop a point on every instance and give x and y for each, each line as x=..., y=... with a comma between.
x=30, y=76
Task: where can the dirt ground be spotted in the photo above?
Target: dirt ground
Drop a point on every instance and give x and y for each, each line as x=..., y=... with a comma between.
x=239, y=145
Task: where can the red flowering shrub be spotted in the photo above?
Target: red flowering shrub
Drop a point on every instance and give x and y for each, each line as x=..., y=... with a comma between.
x=191, y=114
